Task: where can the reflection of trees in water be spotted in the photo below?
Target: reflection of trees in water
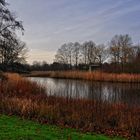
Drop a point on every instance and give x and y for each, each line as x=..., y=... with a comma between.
x=107, y=92
x=130, y=93
x=116, y=92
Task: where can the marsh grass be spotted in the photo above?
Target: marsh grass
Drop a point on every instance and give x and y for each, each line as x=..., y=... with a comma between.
x=92, y=76
x=28, y=100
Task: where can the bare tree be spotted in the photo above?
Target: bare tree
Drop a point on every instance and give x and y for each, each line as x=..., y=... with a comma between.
x=89, y=52
x=62, y=55
x=115, y=49
x=102, y=53
x=69, y=50
x=84, y=52
x=121, y=48
x=12, y=50
x=2, y=2
x=76, y=53
x=8, y=20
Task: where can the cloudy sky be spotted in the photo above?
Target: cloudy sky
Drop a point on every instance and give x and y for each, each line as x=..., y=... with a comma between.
x=50, y=23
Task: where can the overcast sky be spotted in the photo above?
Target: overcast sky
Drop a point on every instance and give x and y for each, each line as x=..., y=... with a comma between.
x=50, y=23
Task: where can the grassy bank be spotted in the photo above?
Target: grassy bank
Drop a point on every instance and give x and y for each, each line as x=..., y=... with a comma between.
x=28, y=100
x=13, y=128
x=94, y=76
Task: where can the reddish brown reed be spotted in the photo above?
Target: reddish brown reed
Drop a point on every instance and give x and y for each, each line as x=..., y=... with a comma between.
x=94, y=76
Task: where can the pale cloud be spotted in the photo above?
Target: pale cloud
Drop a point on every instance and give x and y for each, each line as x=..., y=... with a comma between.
x=40, y=55
x=39, y=40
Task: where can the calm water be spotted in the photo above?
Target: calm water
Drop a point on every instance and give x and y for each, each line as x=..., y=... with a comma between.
x=108, y=92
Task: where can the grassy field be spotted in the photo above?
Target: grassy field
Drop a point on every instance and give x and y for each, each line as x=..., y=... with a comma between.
x=13, y=128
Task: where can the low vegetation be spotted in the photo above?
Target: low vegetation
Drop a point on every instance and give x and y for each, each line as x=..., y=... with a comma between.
x=28, y=100
x=94, y=76
x=13, y=128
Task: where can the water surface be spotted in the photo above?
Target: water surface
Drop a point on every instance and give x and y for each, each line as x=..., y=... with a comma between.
x=107, y=92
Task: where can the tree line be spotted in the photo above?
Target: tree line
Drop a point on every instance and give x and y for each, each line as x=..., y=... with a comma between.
x=119, y=53
x=12, y=49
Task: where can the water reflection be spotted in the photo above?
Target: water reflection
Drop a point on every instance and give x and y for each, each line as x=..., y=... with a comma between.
x=110, y=92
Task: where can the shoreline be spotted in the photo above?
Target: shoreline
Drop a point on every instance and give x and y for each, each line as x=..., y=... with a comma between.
x=89, y=76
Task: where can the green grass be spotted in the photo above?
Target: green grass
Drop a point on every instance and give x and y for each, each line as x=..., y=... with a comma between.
x=13, y=128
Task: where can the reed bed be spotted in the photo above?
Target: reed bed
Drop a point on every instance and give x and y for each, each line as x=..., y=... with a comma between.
x=26, y=99
x=94, y=76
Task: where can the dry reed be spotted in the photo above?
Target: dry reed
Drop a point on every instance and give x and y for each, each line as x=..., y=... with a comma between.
x=94, y=76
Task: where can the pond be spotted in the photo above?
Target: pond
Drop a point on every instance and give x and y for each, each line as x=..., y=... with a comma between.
x=105, y=92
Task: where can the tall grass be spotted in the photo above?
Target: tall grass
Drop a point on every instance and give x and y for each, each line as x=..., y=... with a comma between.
x=21, y=97
x=94, y=76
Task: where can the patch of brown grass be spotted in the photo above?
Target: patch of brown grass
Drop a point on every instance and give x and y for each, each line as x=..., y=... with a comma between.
x=94, y=76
